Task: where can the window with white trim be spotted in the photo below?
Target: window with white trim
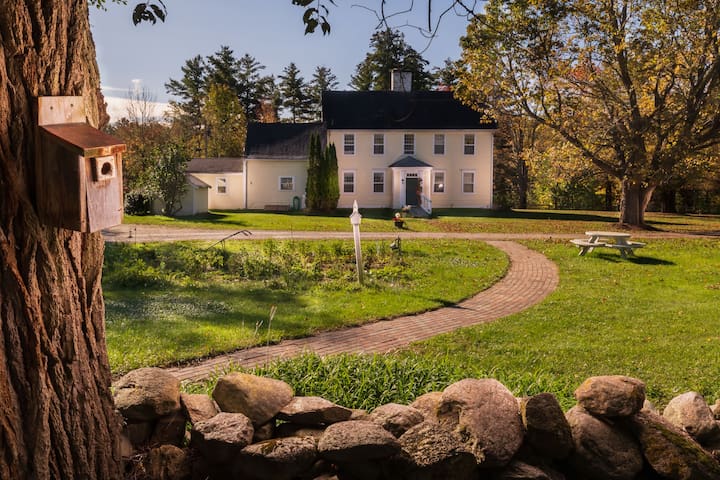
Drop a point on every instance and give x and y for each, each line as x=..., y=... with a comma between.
x=349, y=181
x=438, y=182
x=221, y=185
x=468, y=181
x=378, y=144
x=409, y=144
x=349, y=144
x=286, y=184
x=469, y=144
x=439, y=144
x=378, y=181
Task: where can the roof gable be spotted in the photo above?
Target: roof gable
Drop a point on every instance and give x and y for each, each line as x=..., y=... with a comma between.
x=388, y=110
x=408, y=161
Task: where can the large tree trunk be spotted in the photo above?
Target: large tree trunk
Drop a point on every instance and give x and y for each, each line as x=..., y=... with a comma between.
x=56, y=412
x=635, y=199
x=523, y=182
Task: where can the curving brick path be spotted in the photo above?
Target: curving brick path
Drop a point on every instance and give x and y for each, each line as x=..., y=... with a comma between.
x=530, y=278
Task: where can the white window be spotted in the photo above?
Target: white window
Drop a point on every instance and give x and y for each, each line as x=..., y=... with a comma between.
x=438, y=182
x=468, y=181
x=287, y=184
x=409, y=144
x=439, y=144
x=378, y=181
x=221, y=185
x=469, y=144
x=348, y=181
x=349, y=144
x=378, y=144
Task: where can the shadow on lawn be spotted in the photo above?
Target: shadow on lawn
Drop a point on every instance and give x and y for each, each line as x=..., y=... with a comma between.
x=615, y=258
x=580, y=216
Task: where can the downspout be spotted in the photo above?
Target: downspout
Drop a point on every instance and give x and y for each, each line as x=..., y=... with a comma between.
x=245, y=180
x=492, y=168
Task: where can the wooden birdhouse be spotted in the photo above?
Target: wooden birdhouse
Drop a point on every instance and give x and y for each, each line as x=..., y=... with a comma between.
x=78, y=169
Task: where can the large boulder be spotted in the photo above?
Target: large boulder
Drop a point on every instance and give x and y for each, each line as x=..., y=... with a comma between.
x=611, y=395
x=670, y=451
x=198, y=407
x=547, y=429
x=357, y=441
x=691, y=413
x=486, y=415
x=602, y=452
x=396, y=418
x=221, y=438
x=147, y=394
x=258, y=398
x=437, y=453
x=278, y=459
x=313, y=411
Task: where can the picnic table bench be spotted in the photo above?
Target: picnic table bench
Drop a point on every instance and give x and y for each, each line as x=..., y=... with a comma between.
x=614, y=240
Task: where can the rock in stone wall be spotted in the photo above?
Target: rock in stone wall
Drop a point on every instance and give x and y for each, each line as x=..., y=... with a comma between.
x=254, y=428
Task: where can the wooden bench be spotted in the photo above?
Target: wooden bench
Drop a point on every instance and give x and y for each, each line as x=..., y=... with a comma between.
x=625, y=248
x=586, y=245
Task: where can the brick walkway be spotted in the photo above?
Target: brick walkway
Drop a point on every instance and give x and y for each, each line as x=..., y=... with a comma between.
x=530, y=278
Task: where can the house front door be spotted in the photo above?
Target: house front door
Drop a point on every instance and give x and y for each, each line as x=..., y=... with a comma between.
x=411, y=189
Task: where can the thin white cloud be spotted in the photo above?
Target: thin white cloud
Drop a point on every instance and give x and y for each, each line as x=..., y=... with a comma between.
x=117, y=108
x=105, y=88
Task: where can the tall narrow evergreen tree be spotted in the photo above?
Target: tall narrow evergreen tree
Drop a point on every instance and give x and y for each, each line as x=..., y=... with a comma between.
x=312, y=188
x=331, y=178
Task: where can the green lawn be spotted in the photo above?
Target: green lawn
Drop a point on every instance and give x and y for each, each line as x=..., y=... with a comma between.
x=654, y=317
x=444, y=220
x=172, y=302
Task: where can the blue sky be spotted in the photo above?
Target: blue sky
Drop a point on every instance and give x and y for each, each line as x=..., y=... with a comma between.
x=269, y=30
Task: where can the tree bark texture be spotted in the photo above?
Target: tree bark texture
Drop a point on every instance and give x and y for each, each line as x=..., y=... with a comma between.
x=57, y=419
x=634, y=201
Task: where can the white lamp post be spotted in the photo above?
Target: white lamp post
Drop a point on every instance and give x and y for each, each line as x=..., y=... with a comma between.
x=355, y=219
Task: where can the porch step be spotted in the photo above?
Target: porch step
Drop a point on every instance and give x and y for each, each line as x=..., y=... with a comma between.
x=418, y=212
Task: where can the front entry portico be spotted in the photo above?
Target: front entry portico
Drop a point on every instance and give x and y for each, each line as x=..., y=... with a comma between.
x=410, y=175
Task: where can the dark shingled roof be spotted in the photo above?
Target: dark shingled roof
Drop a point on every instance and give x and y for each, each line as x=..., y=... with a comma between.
x=215, y=165
x=382, y=110
x=281, y=140
x=409, y=161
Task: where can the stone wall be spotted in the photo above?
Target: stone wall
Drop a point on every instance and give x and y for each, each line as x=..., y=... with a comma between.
x=255, y=428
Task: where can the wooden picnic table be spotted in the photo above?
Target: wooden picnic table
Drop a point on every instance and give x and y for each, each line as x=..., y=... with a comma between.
x=616, y=240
